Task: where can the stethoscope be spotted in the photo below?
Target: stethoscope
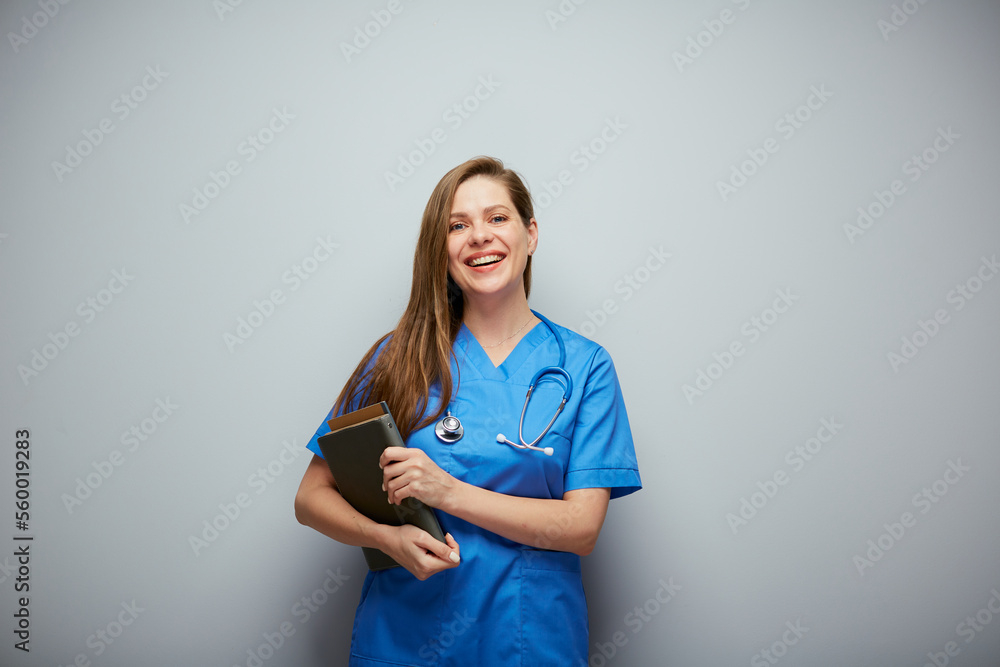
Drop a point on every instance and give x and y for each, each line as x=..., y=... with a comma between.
x=449, y=429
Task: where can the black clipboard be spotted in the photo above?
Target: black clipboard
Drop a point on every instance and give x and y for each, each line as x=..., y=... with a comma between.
x=352, y=450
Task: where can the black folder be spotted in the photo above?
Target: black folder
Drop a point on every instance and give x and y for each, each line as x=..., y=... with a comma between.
x=352, y=449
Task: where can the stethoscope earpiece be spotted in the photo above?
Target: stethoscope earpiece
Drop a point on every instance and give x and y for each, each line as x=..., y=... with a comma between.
x=502, y=439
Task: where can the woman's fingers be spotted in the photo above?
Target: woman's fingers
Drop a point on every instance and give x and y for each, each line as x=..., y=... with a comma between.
x=395, y=462
x=446, y=552
x=456, y=554
x=394, y=486
x=423, y=555
x=410, y=473
x=390, y=454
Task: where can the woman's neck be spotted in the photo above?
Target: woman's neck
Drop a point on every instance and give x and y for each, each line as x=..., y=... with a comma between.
x=498, y=326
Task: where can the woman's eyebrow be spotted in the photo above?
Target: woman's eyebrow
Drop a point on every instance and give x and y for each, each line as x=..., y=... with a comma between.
x=486, y=211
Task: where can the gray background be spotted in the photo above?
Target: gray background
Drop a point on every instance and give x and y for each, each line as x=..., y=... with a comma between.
x=681, y=129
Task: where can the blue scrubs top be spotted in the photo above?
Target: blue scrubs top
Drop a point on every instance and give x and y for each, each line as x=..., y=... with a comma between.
x=506, y=603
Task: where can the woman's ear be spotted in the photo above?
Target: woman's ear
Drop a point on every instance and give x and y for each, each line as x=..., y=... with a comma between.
x=532, y=236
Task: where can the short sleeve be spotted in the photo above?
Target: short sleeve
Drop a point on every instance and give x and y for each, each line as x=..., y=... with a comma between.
x=602, y=454
x=324, y=428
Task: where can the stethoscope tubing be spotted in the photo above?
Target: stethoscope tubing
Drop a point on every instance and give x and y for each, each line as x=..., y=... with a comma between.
x=567, y=391
x=448, y=433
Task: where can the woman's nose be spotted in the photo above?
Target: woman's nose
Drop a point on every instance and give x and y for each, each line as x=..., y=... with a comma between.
x=481, y=233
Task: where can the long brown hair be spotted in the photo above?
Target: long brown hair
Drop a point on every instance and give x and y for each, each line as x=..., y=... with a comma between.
x=417, y=353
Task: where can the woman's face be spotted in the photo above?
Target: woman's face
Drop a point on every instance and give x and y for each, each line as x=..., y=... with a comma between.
x=488, y=244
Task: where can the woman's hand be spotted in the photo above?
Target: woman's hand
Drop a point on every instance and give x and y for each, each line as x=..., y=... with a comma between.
x=319, y=504
x=421, y=554
x=571, y=523
x=407, y=472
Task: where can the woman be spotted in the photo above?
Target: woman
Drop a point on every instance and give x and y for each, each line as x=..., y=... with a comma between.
x=506, y=587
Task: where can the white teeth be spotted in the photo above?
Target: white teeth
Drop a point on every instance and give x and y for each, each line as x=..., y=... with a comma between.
x=485, y=260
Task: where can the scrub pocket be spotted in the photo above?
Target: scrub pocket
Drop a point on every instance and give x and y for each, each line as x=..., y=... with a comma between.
x=553, y=609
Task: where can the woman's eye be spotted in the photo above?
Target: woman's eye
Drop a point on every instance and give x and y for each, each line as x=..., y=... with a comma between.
x=498, y=218
x=456, y=226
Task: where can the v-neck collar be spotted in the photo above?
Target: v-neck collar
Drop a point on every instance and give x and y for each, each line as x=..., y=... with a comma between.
x=480, y=361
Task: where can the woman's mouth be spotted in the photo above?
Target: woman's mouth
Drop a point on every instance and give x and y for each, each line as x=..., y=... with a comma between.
x=484, y=260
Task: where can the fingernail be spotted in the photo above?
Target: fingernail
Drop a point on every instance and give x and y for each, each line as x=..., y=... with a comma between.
x=454, y=557
x=383, y=487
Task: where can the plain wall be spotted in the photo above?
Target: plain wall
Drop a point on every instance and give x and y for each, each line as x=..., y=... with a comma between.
x=778, y=217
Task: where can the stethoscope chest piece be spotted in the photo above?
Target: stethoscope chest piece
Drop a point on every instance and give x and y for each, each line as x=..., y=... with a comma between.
x=449, y=429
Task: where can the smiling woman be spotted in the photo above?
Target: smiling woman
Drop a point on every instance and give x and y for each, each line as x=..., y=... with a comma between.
x=517, y=519
x=489, y=246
